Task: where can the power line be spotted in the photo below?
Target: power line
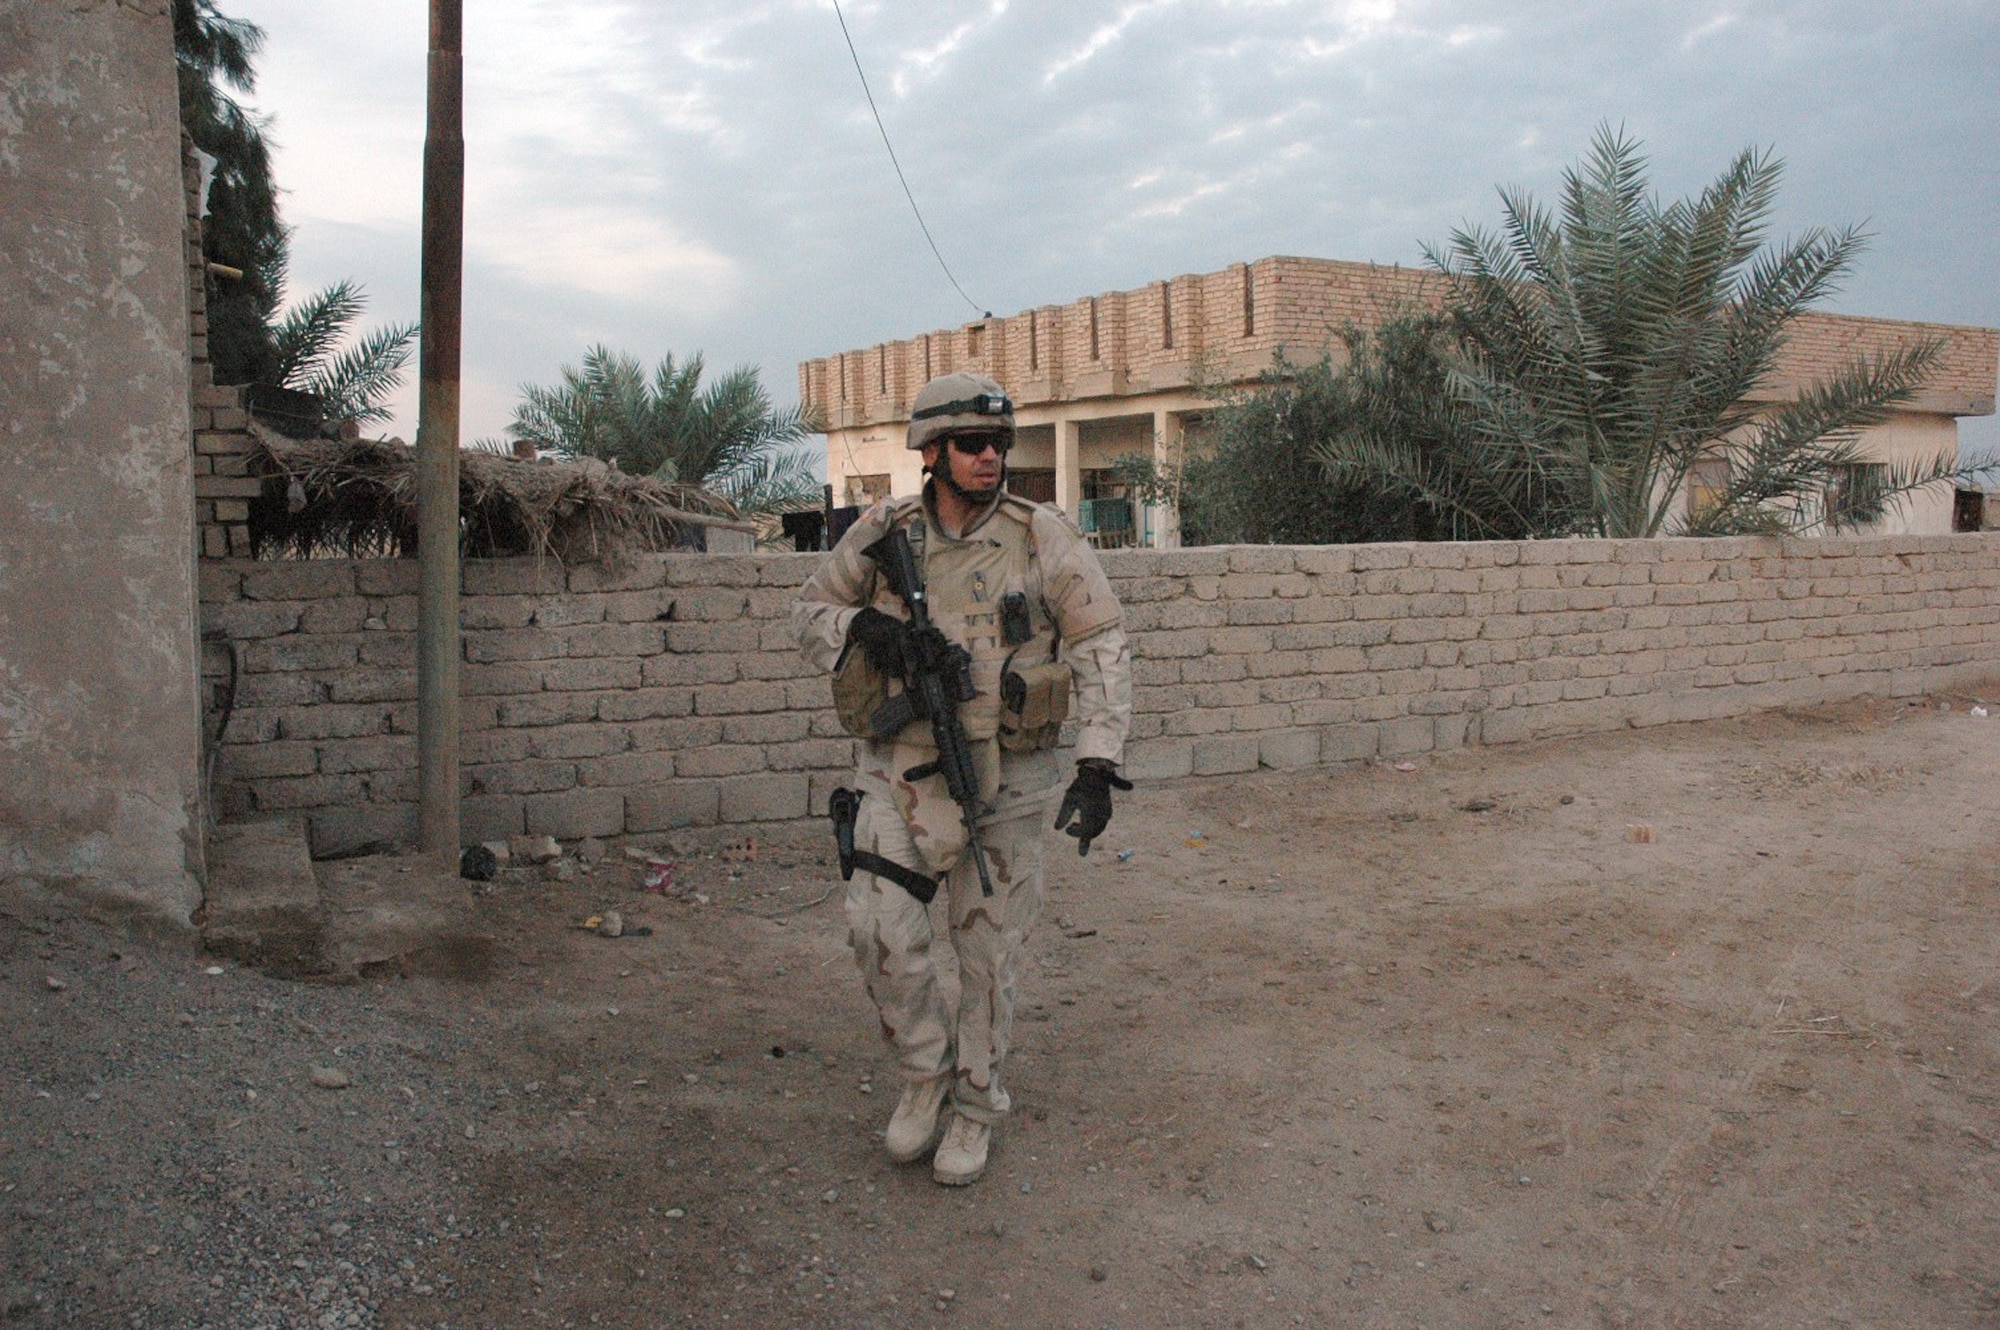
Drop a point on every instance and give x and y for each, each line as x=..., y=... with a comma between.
x=883, y=130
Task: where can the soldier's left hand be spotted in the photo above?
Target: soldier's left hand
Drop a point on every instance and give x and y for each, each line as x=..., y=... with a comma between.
x=1088, y=801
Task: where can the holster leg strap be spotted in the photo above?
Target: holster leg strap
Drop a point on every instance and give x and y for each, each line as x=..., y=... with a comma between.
x=910, y=880
x=845, y=807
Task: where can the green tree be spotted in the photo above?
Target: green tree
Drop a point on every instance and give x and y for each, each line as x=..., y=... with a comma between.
x=312, y=347
x=213, y=57
x=1369, y=446
x=726, y=437
x=315, y=349
x=1596, y=358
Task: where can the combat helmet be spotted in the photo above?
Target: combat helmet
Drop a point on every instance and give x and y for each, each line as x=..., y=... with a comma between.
x=958, y=402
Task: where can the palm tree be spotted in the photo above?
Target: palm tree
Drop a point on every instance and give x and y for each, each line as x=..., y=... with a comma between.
x=1386, y=395
x=726, y=437
x=315, y=351
x=213, y=55
x=1599, y=357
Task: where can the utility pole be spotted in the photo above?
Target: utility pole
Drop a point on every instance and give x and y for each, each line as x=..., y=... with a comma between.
x=437, y=440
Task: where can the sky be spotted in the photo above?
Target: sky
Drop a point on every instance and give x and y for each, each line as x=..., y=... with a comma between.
x=705, y=177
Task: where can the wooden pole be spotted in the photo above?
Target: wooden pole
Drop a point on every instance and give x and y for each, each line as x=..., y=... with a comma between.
x=437, y=441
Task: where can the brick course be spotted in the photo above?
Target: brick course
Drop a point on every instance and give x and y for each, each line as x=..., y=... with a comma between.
x=585, y=715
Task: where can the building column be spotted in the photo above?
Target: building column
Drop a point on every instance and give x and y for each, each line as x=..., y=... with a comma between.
x=1069, y=468
x=1169, y=439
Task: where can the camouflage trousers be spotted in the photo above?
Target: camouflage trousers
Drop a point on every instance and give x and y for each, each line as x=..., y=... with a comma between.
x=892, y=936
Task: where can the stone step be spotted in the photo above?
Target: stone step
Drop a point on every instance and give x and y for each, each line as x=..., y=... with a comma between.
x=270, y=906
x=400, y=914
x=263, y=905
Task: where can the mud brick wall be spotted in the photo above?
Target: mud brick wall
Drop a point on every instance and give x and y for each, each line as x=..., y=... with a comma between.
x=595, y=703
x=1288, y=657
x=670, y=694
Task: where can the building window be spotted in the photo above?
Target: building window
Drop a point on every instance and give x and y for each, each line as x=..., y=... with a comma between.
x=864, y=490
x=975, y=341
x=1707, y=483
x=1035, y=485
x=1034, y=345
x=928, y=376
x=1093, y=329
x=1167, y=315
x=1105, y=509
x=1249, y=304
x=882, y=369
x=1854, y=493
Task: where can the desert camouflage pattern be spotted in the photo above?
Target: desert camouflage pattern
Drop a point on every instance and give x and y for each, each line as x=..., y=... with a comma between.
x=1015, y=546
x=1018, y=546
x=892, y=933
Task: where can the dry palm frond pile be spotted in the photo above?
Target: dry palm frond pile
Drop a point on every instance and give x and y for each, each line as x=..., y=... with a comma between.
x=326, y=497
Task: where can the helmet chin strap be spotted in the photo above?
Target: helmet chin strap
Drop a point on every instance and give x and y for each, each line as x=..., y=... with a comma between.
x=977, y=498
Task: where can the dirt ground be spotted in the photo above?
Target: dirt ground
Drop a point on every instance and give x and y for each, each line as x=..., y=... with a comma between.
x=1685, y=1027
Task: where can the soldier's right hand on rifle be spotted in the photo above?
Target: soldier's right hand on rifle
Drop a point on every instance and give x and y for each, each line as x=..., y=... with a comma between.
x=883, y=638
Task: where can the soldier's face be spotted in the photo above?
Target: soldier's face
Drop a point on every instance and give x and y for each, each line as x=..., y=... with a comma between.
x=978, y=473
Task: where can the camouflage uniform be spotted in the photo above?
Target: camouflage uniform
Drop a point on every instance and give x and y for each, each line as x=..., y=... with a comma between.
x=1013, y=545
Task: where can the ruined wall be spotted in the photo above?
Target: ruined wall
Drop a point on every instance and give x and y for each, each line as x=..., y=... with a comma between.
x=671, y=694
x=99, y=715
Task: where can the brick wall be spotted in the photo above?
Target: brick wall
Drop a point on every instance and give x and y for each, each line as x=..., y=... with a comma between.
x=671, y=695
x=223, y=485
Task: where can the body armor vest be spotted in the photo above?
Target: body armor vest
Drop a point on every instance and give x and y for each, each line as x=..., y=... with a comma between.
x=986, y=593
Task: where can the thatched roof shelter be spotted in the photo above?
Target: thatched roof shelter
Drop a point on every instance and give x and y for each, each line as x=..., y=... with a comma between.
x=359, y=498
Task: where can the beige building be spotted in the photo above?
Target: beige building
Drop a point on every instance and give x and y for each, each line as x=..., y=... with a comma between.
x=1115, y=374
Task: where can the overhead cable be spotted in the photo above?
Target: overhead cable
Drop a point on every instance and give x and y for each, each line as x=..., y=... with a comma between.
x=883, y=130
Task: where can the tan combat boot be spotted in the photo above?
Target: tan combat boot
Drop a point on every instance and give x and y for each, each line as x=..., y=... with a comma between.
x=961, y=1156
x=913, y=1126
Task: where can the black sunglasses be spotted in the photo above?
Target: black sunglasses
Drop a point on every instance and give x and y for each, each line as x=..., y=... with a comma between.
x=974, y=444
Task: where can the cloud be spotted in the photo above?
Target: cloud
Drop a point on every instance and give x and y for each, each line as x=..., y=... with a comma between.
x=1702, y=32
x=607, y=252
x=705, y=176
x=1102, y=37
x=929, y=62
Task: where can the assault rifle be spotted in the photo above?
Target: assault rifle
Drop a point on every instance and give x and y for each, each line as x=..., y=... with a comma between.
x=937, y=677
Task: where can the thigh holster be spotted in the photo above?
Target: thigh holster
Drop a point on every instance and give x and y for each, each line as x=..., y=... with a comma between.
x=844, y=806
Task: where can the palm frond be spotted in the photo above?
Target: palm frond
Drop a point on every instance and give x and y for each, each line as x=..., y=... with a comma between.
x=667, y=424
x=1781, y=469
x=774, y=482
x=355, y=383
x=1608, y=348
x=306, y=337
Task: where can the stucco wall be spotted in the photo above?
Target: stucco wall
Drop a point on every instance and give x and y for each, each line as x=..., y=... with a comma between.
x=99, y=714
x=1914, y=440
x=671, y=694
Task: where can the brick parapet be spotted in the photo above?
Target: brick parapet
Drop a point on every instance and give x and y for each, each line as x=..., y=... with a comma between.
x=1300, y=305
x=669, y=694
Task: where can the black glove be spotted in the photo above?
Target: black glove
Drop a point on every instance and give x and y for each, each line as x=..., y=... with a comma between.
x=1088, y=801
x=882, y=638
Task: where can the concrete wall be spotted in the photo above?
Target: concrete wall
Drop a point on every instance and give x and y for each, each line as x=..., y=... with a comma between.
x=671, y=694
x=99, y=713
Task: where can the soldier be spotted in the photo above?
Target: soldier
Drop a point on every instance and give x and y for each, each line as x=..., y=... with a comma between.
x=1015, y=587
